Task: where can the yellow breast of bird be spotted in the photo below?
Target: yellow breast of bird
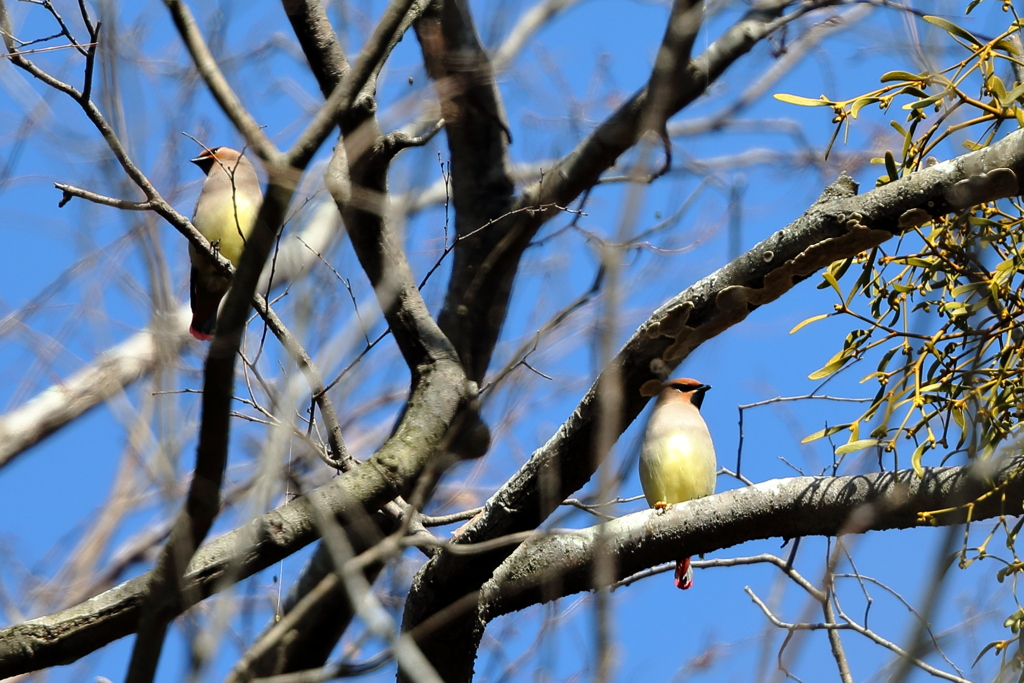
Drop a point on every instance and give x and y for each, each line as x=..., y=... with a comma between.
x=677, y=465
x=228, y=228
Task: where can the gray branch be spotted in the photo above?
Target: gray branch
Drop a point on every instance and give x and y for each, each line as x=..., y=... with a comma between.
x=838, y=226
x=559, y=564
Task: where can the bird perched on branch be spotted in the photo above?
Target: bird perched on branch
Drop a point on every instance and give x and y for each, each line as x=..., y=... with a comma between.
x=225, y=214
x=677, y=460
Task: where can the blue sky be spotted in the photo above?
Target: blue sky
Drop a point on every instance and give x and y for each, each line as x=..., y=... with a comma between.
x=566, y=80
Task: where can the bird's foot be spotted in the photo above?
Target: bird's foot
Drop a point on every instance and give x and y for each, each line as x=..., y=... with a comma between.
x=661, y=506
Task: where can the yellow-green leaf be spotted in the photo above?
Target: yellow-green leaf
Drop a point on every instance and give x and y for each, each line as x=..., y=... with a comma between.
x=1006, y=46
x=955, y=309
x=1011, y=538
x=831, y=367
x=951, y=28
x=802, y=101
x=913, y=90
x=1012, y=96
x=921, y=104
x=914, y=261
x=984, y=650
x=969, y=287
x=958, y=417
x=890, y=166
x=831, y=279
x=822, y=433
x=915, y=459
x=812, y=319
x=855, y=446
x=884, y=363
x=861, y=103
x=839, y=268
x=899, y=76
x=979, y=304
x=995, y=85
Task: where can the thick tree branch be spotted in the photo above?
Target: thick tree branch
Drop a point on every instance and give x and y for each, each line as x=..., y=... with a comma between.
x=357, y=180
x=72, y=633
x=556, y=565
x=319, y=43
x=107, y=376
x=356, y=88
x=359, y=187
x=779, y=508
x=482, y=183
x=581, y=168
x=316, y=613
x=838, y=226
x=672, y=61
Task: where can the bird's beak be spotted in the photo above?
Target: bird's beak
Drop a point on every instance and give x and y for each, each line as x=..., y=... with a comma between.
x=703, y=387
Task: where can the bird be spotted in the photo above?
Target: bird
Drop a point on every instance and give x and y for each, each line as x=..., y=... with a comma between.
x=677, y=458
x=225, y=214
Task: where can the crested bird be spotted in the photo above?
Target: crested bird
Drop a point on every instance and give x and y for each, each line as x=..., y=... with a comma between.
x=225, y=214
x=677, y=459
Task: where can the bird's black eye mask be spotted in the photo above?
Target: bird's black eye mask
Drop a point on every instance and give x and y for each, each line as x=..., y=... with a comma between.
x=698, y=396
x=698, y=391
x=206, y=160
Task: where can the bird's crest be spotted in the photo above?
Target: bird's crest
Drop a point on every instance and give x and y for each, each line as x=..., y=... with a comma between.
x=685, y=384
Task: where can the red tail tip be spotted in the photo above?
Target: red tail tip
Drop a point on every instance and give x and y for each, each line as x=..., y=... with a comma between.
x=201, y=336
x=684, y=574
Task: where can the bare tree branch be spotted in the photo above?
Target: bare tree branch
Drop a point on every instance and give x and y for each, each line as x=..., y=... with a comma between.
x=529, y=23
x=839, y=226
x=482, y=184
x=319, y=43
x=357, y=180
x=74, y=632
x=354, y=92
x=108, y=375
x=557, y=565
x=120, y=366
x=229, y=102
x=202, y=502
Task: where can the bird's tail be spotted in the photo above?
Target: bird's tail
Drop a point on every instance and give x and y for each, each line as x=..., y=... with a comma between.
x=684, y=574
x=204, y=307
